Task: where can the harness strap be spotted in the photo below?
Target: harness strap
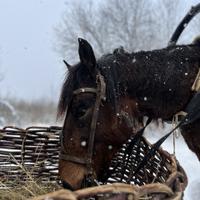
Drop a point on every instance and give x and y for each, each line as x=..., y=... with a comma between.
x=85, y=90
x=74, y=159
x=65, y=156
x=100, y=96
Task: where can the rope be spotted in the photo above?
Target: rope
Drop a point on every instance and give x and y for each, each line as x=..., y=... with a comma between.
x=176, y=133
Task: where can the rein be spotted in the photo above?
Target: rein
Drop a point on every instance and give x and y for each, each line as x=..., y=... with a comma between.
x=100, y=93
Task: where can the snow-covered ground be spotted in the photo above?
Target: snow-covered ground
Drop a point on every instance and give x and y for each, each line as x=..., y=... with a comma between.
x=186, y=158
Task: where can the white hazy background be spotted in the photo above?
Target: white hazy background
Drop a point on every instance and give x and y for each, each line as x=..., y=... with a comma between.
x=32, y=70
x=30, y=66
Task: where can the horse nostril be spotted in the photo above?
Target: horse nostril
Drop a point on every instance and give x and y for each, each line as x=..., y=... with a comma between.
x=88, y=181
x=67, y=186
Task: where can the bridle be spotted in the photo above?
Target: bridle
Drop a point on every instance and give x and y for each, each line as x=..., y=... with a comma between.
x=100, y=93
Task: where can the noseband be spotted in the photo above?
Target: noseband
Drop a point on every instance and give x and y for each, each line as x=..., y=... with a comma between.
x=100, y=93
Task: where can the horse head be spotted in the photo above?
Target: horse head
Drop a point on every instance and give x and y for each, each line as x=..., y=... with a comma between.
x=92, y=130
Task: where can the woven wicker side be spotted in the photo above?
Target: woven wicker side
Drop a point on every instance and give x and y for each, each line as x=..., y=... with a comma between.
x=172, y=189
x=116, y=191
x=27, y=154
x=161, y=168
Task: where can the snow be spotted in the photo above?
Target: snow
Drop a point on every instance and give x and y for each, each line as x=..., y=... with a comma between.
x=8, y=106
x=83, y=143
x=185, y=25
x=7, y=113
x=145, y=98
x=186, y=158
x=134, y=60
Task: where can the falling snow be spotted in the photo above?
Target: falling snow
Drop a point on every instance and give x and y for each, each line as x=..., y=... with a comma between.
x=145, y=98
x=83, y=143
x=185, y=25
x=134, y=60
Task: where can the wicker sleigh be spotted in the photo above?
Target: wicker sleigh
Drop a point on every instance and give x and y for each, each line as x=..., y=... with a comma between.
x=35, y=150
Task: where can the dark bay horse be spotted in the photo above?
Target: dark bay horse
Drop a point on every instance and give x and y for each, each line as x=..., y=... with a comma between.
x=105, y=101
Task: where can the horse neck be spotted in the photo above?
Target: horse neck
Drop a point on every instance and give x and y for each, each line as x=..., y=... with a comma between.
x=141, y=77
x=116, y=66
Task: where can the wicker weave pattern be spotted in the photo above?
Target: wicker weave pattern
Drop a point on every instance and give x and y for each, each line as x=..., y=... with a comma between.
x=34, y=150
x=158, y=168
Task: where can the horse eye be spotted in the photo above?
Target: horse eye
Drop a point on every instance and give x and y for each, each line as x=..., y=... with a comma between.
x=80, y=110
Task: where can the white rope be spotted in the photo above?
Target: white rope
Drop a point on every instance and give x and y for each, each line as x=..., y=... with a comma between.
x=173, y=136
x=176, y=133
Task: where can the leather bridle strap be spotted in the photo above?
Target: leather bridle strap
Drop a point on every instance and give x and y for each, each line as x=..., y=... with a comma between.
x=85, y=90
x=100, y=96
x=100, y=92
x=74, y=159
x=65, y=156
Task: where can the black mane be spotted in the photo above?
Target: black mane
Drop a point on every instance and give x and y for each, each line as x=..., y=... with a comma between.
x=67, y=90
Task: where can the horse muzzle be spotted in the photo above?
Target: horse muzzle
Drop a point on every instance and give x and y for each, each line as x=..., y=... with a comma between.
x=67, y=186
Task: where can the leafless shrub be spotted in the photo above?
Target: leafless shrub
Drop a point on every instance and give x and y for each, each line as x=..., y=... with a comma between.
x=133, y=24
x=34, y=113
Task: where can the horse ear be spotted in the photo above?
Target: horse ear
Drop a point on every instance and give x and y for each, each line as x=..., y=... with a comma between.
x=67, y=64
x=86, y=55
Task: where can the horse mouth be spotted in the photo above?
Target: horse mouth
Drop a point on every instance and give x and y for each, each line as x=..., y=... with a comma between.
x=67, y=186
x=71, y=174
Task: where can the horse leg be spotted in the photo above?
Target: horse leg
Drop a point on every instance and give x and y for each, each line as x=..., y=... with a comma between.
x=191, y=134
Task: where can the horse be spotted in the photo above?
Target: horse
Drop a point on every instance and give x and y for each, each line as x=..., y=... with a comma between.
x=105, y=100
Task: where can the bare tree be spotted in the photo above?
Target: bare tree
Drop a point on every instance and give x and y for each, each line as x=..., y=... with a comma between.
x=167, y=18
x=133, y=24
x=129, y=23
x=107, y=25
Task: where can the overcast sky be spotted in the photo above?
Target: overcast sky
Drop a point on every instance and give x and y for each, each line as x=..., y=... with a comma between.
x=30, y=67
